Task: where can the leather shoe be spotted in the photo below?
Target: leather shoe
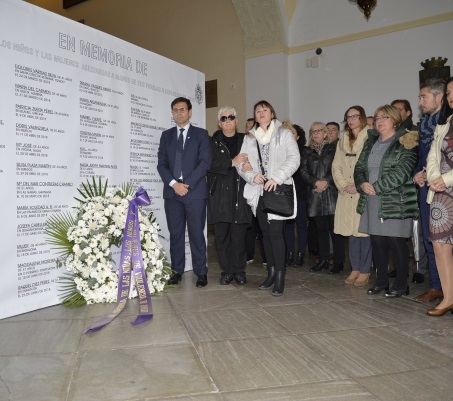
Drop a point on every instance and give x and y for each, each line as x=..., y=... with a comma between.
x=202, y=281
x=225, y=278
x=396, y=293
x=430, y=295
x=240, y=278
x=418, y=278
x=376, y=289
x=440, y=312
x=175, y=279
x=321, y=265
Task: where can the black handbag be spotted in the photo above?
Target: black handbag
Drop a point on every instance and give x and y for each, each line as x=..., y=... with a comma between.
x=281, y=200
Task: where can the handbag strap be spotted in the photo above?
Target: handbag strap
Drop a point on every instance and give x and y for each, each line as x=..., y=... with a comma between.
x=259, y=154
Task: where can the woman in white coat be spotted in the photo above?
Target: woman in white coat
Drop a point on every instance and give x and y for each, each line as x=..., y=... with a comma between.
x=346, y=217
x=280, y=160
x=439, y=171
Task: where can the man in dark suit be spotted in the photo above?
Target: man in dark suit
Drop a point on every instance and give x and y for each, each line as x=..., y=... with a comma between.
x=184, y=158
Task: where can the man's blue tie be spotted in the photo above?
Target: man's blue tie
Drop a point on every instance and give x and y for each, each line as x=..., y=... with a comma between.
x=177, y=171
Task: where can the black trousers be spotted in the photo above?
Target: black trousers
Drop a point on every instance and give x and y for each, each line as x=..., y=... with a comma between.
x=273, y=238
x=324, y=226
x=231, y=246
x=380, y=247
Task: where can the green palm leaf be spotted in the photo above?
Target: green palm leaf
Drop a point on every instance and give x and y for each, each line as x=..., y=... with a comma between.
x=56, y=230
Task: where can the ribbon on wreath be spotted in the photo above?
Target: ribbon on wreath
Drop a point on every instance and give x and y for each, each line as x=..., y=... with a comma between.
x=131, y=261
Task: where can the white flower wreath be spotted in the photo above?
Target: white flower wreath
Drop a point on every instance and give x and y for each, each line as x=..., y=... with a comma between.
x=85, y=240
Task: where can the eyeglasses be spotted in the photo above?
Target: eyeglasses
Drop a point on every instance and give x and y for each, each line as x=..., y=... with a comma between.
x=181, y=110
x=353, y=117
x=317, y=131
x=382, y=118
x=230, y=117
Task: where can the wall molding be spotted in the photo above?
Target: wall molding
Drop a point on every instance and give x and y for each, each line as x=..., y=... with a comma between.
x=353, y=37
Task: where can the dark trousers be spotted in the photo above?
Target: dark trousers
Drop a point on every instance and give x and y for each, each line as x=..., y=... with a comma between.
x=230, y=244
x=302, y=229
x=312, y=240
x=178, y=211
x=324, y=226
x=380, y=247
x=254, y=232
x=434, y=280
x=273, y=238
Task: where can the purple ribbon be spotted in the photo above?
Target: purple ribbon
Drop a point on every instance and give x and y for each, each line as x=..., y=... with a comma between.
x=131, y=260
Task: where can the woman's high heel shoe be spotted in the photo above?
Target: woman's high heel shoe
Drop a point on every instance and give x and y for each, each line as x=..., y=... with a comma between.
x=440, y=312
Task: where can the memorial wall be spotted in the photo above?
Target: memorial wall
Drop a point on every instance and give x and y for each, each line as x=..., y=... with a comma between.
x=74, y=103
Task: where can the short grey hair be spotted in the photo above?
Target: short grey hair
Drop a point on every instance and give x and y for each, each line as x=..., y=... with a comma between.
x=434, y=85
x=226, y=108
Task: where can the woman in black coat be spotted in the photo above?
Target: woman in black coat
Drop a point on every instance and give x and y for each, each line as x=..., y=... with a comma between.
x=228, y=210
x=316, y=172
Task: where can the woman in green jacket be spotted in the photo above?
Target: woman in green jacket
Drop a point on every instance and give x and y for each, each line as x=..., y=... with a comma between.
x=388, y=200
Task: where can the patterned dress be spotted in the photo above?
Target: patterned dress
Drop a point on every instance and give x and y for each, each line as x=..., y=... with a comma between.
x=441, y=221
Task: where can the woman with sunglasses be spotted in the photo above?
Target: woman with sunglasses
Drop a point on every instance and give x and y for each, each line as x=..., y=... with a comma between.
x=346, y=217
x=273, y=158
x=316, y=172
x=227, y=209
x=388, y=199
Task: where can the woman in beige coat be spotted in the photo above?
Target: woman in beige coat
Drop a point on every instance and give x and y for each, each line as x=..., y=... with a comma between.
x=346, y=217
x=280, y=160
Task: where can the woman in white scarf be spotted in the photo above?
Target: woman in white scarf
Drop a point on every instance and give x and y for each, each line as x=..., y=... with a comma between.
x=281, y=159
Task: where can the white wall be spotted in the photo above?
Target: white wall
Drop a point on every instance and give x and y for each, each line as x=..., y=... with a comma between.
x=267, y=79
x=325, y=19
x=368, y=72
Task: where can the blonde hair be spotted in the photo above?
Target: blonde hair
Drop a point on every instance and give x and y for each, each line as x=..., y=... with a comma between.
x=322, y=126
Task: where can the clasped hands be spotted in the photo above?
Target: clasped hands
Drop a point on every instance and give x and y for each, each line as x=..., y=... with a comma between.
x=321, y=186
x=180, y=188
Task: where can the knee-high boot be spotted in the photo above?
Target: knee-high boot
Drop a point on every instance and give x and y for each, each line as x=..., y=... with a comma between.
x=279, y=282
x=266, y=284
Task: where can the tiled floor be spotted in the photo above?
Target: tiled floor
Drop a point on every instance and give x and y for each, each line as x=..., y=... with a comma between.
x=322, y=340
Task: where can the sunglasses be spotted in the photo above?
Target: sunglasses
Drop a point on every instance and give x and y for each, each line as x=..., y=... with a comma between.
x=230, y=117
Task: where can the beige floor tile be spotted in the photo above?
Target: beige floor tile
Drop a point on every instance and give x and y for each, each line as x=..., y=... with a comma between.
x=40, y=337
x=324, y=316
x=342, y=390
x=231, y=324
x=426, y=384
x=264, y=362
x=139, y=373
x=211, y=301
x=372, y=351
x=163, y=329
x=36, y=377
x=294, y=295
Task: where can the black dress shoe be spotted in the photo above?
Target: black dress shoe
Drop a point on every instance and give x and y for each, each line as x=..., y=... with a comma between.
x=202, y=281
x=226, y=278
x=175, y=279
x=396, y=293
x=418, y=278
x=299, y=260
x=290, y=259
x=376, y=289
x=321, y=265
x=392, y=273
x=240, y=278
x=337, y=268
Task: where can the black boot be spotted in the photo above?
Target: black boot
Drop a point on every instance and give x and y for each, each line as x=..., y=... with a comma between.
x=267, y=284
x=322, y=264
x=300, y=259
x=290, y=259
x=279, y=283
x=337, y=268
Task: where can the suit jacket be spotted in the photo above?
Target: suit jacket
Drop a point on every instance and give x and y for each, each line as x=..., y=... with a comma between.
x=196, y=161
